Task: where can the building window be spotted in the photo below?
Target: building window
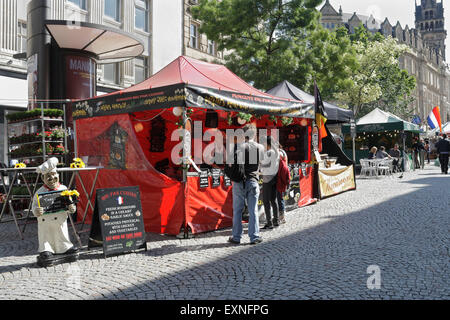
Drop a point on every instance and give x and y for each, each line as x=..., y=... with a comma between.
x=431, y=14
x=79, y=3
x=211, y=47
x=111, y=73
x=21, y=36
x=112, y=9
x=140, y=69
x=193, y=36
x=141, y=15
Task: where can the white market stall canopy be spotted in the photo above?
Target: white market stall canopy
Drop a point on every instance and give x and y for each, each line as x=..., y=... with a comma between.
x=378, y=120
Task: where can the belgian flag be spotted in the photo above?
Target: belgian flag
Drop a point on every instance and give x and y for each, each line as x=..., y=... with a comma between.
x=321, y=114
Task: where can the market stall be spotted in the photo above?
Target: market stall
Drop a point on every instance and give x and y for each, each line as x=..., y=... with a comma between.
x=335, y=172
x=132, y=134
x=335, y=114
x=379, y=128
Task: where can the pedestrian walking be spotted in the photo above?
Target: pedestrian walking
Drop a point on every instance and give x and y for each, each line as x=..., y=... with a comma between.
x=269, y=170
x=427, y=150
x=246, y=188
x=280, y=194
x=443, y=149
x=422, y=153
x=416, y=150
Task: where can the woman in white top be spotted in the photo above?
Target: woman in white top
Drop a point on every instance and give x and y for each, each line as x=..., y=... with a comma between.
x=269, y=170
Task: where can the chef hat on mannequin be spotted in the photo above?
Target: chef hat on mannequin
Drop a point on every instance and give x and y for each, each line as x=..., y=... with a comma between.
x=48, y=166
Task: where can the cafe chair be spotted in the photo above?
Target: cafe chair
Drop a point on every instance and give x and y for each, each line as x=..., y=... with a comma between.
x=367, y=168
x=385, y=167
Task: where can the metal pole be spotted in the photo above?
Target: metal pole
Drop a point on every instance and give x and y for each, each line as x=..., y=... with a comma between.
x=184, y=117
x=43, y=132
x=354, y=151
x=75, y=146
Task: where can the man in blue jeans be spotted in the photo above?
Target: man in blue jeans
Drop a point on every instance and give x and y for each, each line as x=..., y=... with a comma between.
x=248, y=190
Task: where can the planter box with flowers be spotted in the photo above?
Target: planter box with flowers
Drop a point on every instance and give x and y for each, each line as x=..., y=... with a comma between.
x=34, y=114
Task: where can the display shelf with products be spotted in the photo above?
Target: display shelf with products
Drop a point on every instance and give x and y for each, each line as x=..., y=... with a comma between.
x=36, y=135
x=33, y=137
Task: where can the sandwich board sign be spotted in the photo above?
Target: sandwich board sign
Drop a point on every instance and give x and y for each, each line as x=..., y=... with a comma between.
x=117, y=222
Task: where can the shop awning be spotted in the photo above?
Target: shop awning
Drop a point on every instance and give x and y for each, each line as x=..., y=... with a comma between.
x=107, y=44
x=285, y=89
x=187, y=82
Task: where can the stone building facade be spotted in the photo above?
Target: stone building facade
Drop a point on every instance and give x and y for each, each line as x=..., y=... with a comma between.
x=166, y=28
x=426, y=61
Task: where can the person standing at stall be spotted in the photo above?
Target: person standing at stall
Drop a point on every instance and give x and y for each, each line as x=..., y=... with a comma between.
x=246, y=188
x=269, y=170
x=443, y=149
x=280, y=195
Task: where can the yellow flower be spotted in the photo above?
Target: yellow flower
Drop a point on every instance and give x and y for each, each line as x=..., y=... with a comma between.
x=78, y=163
x=20, y=165
x=70, y=193
x=65, y=193
x=76, y=193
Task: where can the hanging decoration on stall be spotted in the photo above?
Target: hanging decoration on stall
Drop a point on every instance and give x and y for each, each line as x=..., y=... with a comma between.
x=212, y=119
x=215, y=173
x=117, y=222
x=204, y=180
x=157, y=135
x=117, y=143
x=315, y=139
x=226, y=181
x=303, y=168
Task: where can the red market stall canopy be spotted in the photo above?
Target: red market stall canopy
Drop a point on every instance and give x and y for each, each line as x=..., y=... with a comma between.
x=187, y=82
x=129, y=134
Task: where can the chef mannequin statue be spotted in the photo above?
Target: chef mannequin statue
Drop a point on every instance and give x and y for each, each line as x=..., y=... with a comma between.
x=53, y=232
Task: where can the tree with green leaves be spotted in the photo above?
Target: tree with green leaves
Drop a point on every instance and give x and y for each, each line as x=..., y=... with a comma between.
x=263, y=36
x=378, y=80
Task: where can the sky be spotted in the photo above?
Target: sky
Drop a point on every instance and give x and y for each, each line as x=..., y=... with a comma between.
x=401, y=10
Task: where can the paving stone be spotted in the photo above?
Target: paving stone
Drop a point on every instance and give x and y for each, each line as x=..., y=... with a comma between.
x=323, y=252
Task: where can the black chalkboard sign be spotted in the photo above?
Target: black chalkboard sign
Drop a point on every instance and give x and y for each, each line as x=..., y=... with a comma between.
x=52, y=202
x=215, y=173
x=204, y=180
x=118, y=211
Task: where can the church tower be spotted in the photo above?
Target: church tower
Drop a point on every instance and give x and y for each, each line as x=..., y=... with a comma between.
x=430, y=21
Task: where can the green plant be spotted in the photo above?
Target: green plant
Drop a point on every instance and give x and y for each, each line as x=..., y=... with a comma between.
x=58, y=133
x=229, y=119
x=273, y=118
x=285, y=121
x=59, y=149
x=245, y=116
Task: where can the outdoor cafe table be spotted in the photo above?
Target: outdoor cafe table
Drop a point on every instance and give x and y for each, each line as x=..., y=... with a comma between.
x=20, y=172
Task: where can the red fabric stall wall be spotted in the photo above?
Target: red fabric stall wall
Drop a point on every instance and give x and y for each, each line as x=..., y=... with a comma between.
x=307, y=188
x=208, y=208
x=162, y=198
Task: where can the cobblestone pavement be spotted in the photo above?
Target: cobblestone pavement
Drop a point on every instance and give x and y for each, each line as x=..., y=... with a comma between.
x=323, y=252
